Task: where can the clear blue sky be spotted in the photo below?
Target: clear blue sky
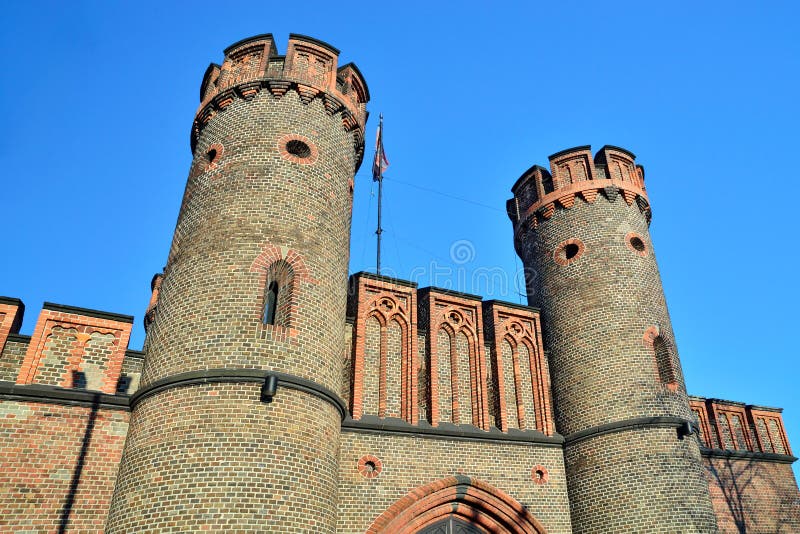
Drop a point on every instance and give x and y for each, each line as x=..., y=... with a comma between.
x=98, y=98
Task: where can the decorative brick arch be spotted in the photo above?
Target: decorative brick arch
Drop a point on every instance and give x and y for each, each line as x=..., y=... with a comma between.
x=470, y=499
x=272, y=253
x=295, y=273
x=386, y=308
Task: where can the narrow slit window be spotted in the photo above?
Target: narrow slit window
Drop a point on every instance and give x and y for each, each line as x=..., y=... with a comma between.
x=666, y=368
x=271, y=303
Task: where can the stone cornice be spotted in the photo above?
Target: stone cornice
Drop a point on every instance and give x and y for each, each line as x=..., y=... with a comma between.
x=448, y=431
x=211, y=376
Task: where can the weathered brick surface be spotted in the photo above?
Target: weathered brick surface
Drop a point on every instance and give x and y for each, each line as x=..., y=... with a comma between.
x=57, y=466
x=66, y=341
x=216, y=458
x=638, y=481
x=411, y=462
x=606, y=326
x=276, y=143
x=11, y=360
x=264, y=228
x=753, y=496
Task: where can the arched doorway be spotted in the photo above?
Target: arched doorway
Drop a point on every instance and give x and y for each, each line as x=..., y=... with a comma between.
x=457, y=504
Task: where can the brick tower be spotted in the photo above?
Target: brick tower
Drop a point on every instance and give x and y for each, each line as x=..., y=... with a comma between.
x=581, y=230
x=236, y=424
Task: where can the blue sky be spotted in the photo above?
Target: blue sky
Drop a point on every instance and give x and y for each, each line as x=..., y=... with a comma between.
x=98, y=98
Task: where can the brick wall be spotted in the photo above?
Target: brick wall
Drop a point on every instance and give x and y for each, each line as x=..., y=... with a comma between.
x=408, y=463
x=58, y=465
x=753, y=495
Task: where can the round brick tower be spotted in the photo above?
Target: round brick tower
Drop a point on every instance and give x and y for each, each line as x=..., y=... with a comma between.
x=236, y=424
x=581, y=230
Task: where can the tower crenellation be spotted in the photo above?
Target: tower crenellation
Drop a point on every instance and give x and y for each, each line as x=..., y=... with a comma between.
x=575, y=174
x=310, y=67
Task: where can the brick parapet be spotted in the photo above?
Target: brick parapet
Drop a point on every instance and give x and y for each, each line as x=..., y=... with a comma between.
x=455, y=314
x=517, y=325
x=68, y=339
x=574, y=173
x=386, y=301
x=738, y=426
x=11, y=312
x=471, y=367
x=310, y=68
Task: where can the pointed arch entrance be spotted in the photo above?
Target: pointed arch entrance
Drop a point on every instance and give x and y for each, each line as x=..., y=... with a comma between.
x=457, y=504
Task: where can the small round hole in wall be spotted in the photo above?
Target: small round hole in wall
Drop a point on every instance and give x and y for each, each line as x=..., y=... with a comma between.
x=571, y=250
x=369, y=466
x=539, y=474
x=636, y=243
x=297, y=148
x=213, y=155
x=568, y=251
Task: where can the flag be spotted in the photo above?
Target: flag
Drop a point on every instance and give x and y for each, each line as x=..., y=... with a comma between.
x=380, y=163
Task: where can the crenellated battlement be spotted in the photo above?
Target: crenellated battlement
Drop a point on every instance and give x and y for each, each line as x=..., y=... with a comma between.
x=736, y=426
x=574, y=173
x=310, y=68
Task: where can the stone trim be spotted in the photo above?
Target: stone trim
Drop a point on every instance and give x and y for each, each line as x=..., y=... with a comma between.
x=506, y=304
x=747, y=455
x=10, y=391
x=664, y=421
x=448, y=431
x=19, y=338
x=381, y=278
x=234, y=376
x=86, y=312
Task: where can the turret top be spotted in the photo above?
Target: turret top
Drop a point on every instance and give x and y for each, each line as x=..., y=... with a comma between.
x=310, y=67
x=575, y=171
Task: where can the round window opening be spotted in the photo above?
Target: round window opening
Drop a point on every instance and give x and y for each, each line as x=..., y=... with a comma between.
x=370, y=467
x=297, y=148
x=571, y=250
x=636, y=244
x=211, y=155
x=568, y=251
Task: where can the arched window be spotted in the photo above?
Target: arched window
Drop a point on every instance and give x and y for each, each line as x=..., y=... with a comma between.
x=278, y=295
x=271, y=304
x=666, y=366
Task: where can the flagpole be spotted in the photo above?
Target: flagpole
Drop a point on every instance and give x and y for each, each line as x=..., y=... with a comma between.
x=379, y=231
